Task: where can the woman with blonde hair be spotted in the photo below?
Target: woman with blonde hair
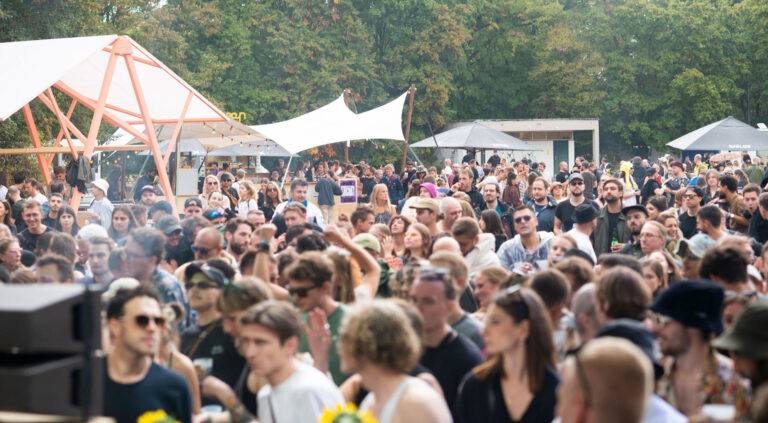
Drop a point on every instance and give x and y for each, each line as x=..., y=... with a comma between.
x=210, y=184
x=378, y=342
x=381, y=205
x=418, y=242
x=558, y=246
x=467, y=210
x=518, y=380
x=248, y=198
x=630, y=186
x=488, y=282
x=712, y=190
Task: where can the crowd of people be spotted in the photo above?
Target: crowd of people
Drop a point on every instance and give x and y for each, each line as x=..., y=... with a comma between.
x=498, y=292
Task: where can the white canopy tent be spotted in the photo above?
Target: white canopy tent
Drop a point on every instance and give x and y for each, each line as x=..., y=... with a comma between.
x=334, y=123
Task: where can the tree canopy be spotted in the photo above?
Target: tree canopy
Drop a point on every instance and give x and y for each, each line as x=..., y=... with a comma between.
x=650, y=70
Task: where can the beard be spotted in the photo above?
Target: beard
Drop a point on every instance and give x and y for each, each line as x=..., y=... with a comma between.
x=612, y=199
x=237, y=248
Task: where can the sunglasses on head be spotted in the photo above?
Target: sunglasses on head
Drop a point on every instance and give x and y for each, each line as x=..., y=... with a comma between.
x=142, y=320
x=300, y=292
x=525, y=218
x=514, y=292
x=200, y=285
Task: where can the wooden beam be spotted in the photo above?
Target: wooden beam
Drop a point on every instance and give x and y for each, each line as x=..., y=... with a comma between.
x=36, y=142
x=65, y=150
x=412, y=92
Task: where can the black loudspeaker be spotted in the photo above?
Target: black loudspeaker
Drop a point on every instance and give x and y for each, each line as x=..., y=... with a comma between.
x=49, y=338
x=49, y=318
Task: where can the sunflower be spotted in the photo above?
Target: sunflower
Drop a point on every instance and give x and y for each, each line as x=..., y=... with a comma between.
x=346, y=414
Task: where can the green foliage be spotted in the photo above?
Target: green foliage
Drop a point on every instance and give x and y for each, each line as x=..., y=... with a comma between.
x=651, y=70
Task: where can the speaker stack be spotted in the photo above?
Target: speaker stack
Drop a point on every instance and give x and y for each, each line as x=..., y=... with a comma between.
x=49, y=338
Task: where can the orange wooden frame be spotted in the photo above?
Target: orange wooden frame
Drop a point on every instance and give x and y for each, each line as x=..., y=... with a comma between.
x=102, y=110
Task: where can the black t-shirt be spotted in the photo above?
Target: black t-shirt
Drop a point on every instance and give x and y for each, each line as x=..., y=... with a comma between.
x=28, y=240
x=215, y=344
x=494, y=160
x=483, y=400
x=49, y=221
x=648, y=190
x=589, y=184
x=564, y=212
x=450, y=361
x=561, y=177
x=613, y=223
x=182, y=254
x=687, y=225
x=161, y=389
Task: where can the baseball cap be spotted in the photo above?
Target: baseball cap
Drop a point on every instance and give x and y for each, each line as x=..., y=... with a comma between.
x=210, y=272
x=427, y=203
x=168, y=225
x=367, y=241
x=678, y=164
x=193, y=201
x=149, y=188
x=161, y=205
x=696, y=246
x=640, y=207
x=576, y=175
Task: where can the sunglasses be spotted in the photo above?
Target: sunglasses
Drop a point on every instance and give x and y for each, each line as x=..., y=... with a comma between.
x=271, y=189
x=300, y=292
x=689, y=196
x=212, y=183
x=576, y=183
x=200, y=285
x=202, y=250
x=523, y=219
x=216, y=214
x=142, y=321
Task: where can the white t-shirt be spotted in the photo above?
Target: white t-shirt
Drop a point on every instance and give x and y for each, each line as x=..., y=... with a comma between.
x=300, y=398
x=40, y=198
x=583, y=242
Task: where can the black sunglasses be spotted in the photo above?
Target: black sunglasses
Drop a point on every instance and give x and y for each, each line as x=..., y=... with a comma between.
x=300, y=292
x=212, y=183
x=142, y=321
x=271, y=189
x=576, y=183
x=202, y=250
x=525, y=218
x=200, y=285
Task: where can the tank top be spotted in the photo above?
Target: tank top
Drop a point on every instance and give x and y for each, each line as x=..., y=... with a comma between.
x=389, y=408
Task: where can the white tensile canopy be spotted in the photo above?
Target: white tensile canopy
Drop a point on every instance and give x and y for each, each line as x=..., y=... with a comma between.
x=728, y=134
x=334, y=123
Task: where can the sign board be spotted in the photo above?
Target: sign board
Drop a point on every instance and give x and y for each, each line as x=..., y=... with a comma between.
x=348, y=190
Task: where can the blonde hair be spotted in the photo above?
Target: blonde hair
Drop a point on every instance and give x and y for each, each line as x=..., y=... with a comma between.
x=250, y=188
x=379, y=332
x=375, y=196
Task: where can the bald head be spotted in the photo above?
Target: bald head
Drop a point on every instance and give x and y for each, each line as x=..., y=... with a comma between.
x=611, y=381
x=451, y=210
x=446, y=244
x=208, y=244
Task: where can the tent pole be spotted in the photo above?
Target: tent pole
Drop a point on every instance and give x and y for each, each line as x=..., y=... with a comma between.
x=36, y=141
x=287, y=169
x=412, y=92
x=175, y=138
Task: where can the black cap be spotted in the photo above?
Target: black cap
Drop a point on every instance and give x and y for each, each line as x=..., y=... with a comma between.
x=696, y=190
x=640, y=207
x=635, y=332
x=168, y=225
x=210, y=272
x=584, y=213
x=161, y=205
x=694, y=303
x=193, y=201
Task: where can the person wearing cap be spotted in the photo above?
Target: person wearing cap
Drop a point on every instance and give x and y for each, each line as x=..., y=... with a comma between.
x=427, y=211
x=193, y=206
x=565, y=209
x=147, y=195
x=689, y=314
x=146, y=179
x=747, y=342
x=176, y=252
x=100, y=209
x=160, y=209
x=636, y=216
x=406, y=177
x=691, y=251
x=633, y=331
x=205, y=339
x=692, y=200
x=584, y=221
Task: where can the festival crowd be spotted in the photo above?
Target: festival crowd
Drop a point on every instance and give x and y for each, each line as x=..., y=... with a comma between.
x=497, y=292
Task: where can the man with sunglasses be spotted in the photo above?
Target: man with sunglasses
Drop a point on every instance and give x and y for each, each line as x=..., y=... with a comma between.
x=692, y=198
x=205, y=340
x=309, y=283
x=134, y=384
x=528, y=249
x=689, y=314
x=565, y=209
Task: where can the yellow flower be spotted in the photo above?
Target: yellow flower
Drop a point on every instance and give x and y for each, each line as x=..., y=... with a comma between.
x=346, y=414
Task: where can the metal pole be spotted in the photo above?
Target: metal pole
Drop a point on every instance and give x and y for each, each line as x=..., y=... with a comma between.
x=287, y=169
x=412, y=92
